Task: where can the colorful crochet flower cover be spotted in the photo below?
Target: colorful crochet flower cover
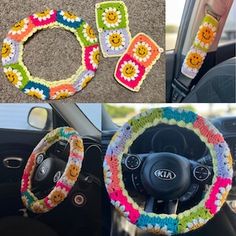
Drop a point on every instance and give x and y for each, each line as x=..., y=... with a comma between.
x=203, y=41
x=190, y=219
x=68, y=178
x=113, y=27
x=137, y=61
x=17, y=73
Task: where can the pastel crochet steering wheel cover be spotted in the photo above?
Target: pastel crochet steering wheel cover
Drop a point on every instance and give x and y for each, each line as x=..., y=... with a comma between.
x=67, y=180
x=162, y=223
x=18, y=74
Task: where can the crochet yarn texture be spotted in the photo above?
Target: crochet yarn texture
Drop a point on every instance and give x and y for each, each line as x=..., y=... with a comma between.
x=18, y=74
x=67, y=180
x=188, y=220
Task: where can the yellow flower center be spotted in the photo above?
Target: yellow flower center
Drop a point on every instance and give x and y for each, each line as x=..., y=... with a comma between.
x=35, y=94
x=206, y=34
x=96, y=57
x=142, y=51
x=6, y=50
x=86, y=81
x=111, y=17
x=70, y=16
x=115, y=40
x=43, y=13
x=19, y=26
x=12, y=77
x=194, y=60
x=196, y=226
x=129, y=71
x=90, y=32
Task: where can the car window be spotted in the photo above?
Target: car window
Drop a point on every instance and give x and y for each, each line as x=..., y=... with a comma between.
x=15, y=116
x=121, y=113
x=174, y=12
x=229, y=31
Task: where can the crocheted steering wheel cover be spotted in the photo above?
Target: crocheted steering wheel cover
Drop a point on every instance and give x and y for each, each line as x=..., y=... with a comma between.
x=67, y=180
x=18, y=74
x=190, y=219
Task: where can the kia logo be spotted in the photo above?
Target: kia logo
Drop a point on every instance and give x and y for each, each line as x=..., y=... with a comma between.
x=164, y=174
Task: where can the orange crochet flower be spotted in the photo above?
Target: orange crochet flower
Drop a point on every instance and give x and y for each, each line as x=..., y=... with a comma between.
x=206, y=34
x=194, y=60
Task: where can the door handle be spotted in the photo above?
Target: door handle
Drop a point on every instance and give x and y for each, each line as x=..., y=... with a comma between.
x=13, y=162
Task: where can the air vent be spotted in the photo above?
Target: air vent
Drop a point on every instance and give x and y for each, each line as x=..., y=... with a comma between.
x=229, y=125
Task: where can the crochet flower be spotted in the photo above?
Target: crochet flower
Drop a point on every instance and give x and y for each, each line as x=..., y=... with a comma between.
x=115, y=40
x=20, y=27
x=142, y=51
x=120, y=208
x=195, y=59
x=129, y=70
x=222, y=196
x=8, y=51
x=195, y=224
x=44, y=15
x=63, y=93
x=157, y=229
x=111, y=17
x=35, y=92
x=107, y=173
x=14, y=76
x=206, y=35
x=67, y=16
x=57, y=196
x=94, y=57
x=89, y=33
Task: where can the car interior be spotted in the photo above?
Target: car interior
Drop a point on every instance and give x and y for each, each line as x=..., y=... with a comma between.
x=217, y=74
x=183, y=142
x=81, y=209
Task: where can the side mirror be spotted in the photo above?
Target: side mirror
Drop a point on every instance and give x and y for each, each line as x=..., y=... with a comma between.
x=40, y=118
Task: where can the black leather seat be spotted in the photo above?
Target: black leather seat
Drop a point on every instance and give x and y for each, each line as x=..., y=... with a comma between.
x=217, y=85
x=16, y=225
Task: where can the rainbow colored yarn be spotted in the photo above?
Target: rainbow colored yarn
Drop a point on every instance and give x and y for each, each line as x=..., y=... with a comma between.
x=18, y=74
x=190, y=219
x=113, y=27
x=68, y=178
x=202, y=43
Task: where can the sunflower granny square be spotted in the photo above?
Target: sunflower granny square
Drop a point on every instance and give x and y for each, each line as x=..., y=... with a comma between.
x=137, y=61
x=18, y=74
x=113, y=27
x=202, y=43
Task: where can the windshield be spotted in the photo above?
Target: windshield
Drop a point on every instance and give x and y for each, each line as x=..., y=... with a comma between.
x=121, y=113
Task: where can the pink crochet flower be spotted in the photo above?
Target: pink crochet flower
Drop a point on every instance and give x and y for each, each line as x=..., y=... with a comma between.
x=44, y=18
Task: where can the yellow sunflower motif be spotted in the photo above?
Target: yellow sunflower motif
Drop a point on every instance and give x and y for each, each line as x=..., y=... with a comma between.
x=86, y=81
x=111, y=17
x=194, y=59
x=129, y=71
x=68, y=16
x=206, y=33
x=44, y=15
x=20, y=27
x=35, y=92
x=94, y=57
x=89, y=33
x=7, y=49
x=72, y=172
x=65, y=93
x=57, y=196
x=142, y=51
x=14, y=76
x=38, y=208
x=115, y=40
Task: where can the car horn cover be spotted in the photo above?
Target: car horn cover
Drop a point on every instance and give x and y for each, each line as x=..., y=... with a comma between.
x=18, y=74
x=64, y=185
x=188, y=220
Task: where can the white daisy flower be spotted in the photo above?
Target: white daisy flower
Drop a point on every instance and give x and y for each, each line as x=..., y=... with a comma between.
x=20, y=27
x=111, y=17
x=129, y=70
x=222, y=196
x=44, y=15
x=157, y=229
x=120, y=208
x=35, y=92
x=142, y=51
x=89, y=33
x=107, y=174
x=8, y=51
x=67, y=16
x=62, y=94
x=14, y=76
x=195, y=224
x=94, y=57
x=115, y=40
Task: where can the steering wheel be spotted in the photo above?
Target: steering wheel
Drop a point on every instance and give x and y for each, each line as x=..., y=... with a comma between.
x=51, y=173
x=165, y=176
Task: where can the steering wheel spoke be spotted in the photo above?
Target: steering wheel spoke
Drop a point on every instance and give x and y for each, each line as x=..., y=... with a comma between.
x=171, y=206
